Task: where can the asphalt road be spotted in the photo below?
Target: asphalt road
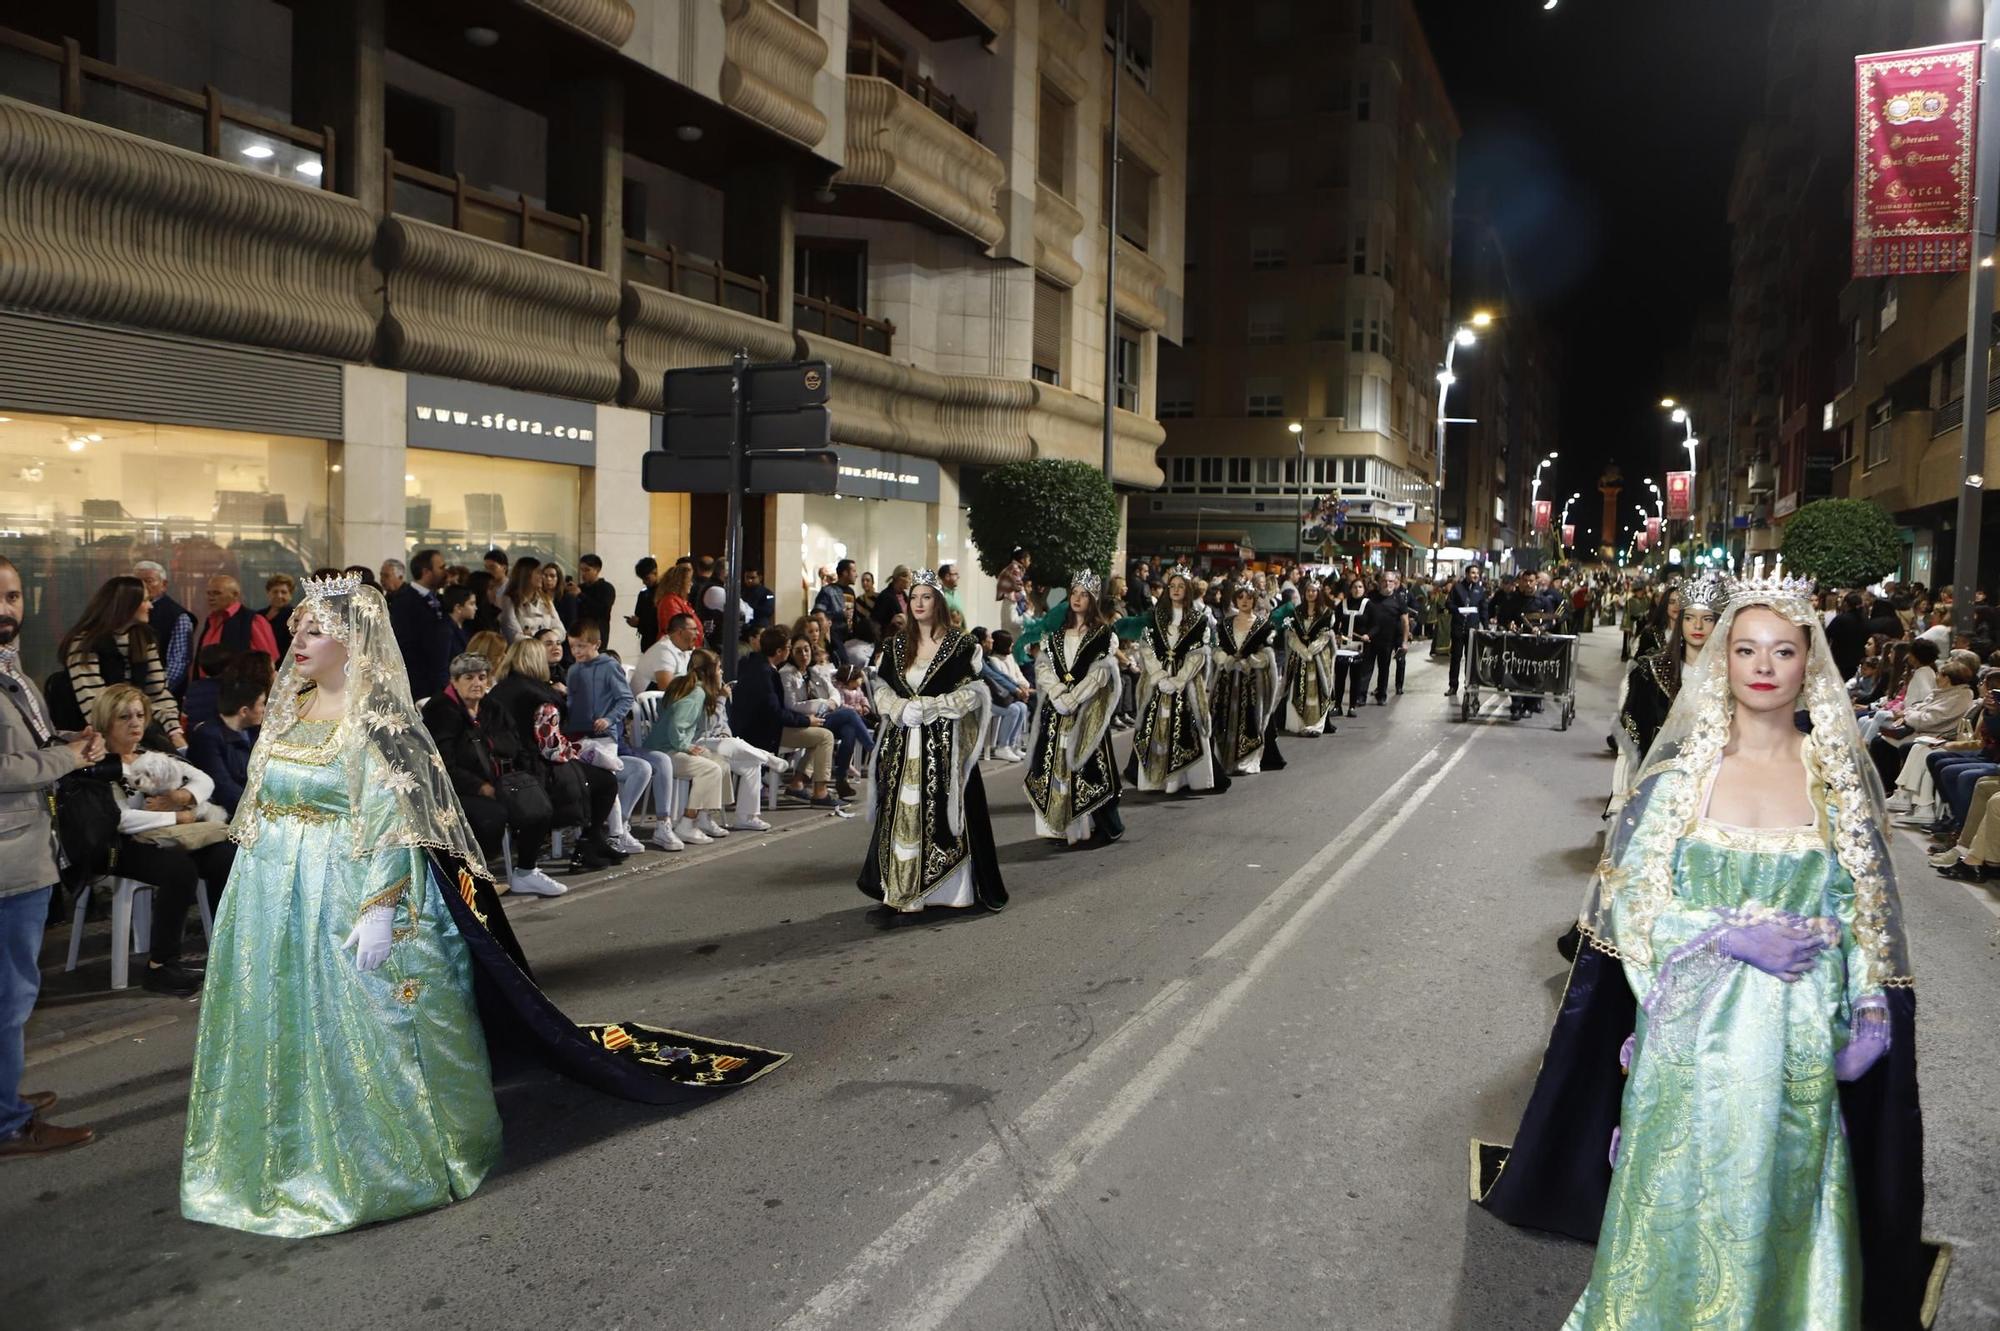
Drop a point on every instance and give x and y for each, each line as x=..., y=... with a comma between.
x=1221, y=1075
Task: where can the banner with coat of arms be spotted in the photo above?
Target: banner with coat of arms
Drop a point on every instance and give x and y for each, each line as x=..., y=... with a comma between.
x=1915, y=116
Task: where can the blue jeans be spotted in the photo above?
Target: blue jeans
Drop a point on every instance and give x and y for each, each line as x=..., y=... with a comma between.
x=22, y=917
x=848, y=730
x=1013, y=720
x=1955, y=775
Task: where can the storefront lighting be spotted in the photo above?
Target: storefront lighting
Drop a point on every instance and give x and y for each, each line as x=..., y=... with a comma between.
x=409, y=478
x=95, y=438
x=310, y=167
x=481, y=37
x=75, y=445
x=688, y=133
x=335, y=469
x=257, y=152
x=6, y=420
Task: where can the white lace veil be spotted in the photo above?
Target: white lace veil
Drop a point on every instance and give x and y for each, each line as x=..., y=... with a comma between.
x=398, y=791
x=1665, y=799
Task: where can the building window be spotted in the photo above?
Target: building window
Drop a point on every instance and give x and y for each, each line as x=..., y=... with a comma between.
x=1239, y=472
x=1354, y=471
x=1269, y=170
x=835, y=271
x=1364, y=99
x=467, y=503
x=1175, y=408
x=1366, y=27
x=1264, y=397
x=1135, y=196
x=1138, y=40
x=1268, y=472
x=1051, y=334
x=1052, y=163
x=1267, y=322
x=1180, y=473
x=1128, y=366
x=1879, y=417
x=1374, y=331
x=1357, y=337
x=1885, y=305
x=1211, y=473
x=1360, y=259
x=1267, y=247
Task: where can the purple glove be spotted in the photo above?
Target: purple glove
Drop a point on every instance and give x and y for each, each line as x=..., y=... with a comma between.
x=1869, y=1042
x=1784, y=950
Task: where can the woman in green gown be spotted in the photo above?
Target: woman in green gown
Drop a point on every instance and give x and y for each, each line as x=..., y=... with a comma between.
x=341, y=1073
x=1748, y=900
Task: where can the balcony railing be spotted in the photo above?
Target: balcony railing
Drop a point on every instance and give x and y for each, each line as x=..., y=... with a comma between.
x=667, y=268
x=813, y=315
x=58, y=76
x=449, y=202
x=867, y=56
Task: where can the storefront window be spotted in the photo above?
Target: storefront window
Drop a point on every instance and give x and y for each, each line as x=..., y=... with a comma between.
x=82, y=500
x=465, y=504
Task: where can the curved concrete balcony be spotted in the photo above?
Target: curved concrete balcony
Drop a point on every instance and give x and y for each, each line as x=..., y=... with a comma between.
x=469, y=308
x=661, y=331
x=1140, y=277
x=609, y=21
x=895, y=144
x=882, y=403
x=769, y=62
x=1067, y=425
x=1058, y=223
x=104, y=226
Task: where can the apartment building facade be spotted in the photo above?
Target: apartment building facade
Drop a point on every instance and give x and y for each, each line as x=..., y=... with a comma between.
x=325, y=283
x=1322, y=154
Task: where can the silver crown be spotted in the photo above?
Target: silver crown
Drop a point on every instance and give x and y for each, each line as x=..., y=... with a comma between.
x=1084, y=580
x=1181, y=571
x=1705, y=590
x=320, y=589
x=927, y=577
x=1791, y=597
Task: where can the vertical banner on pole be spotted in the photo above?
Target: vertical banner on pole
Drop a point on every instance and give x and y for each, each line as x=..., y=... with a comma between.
x=1680, y=491
x=1545, y=512
x=1652, y=533
x=1915, y=114
x=1569, y=534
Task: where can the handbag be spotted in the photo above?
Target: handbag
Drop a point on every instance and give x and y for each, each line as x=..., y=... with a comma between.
x=525, y=799
x=86, y=813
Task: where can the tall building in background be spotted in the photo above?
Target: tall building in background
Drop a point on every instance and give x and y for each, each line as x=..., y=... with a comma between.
x=1321, y=161
x=302, y=284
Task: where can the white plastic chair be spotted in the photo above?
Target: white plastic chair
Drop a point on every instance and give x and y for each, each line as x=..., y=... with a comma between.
x=131, y=924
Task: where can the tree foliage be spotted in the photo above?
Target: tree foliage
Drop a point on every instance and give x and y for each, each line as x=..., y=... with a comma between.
x=1063, y=513
x=1842, y=543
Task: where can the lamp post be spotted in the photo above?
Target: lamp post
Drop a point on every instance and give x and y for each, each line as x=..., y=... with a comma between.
x=1462, y=336
x=1565, y=519
x=1298, y=526
x=1686, y=422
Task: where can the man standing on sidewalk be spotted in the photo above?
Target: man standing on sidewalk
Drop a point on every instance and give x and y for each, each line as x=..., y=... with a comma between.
x=32, y=758
x=1466, y=604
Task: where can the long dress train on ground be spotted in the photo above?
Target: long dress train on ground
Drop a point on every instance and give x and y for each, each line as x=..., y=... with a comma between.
x=1171, y=746
x=1071, y=771
x=1309, y=674
x=1246, y=699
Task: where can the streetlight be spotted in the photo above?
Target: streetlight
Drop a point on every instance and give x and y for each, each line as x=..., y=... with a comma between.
x=1679, y=415
x=1298, y=528
x=1462, y=336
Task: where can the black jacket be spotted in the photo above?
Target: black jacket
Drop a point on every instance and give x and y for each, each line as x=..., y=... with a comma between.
x=475, y=753
x=1464, y=594
x=757, y=709
x=1384, y=621
x=1507, y=607
x=1847, y=639
x=518, y=698
x=597, y=604
x=423, y=633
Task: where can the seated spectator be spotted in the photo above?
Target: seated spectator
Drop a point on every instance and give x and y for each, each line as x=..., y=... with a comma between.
x=556, y=643
x=479, y=748
x=583, y=795
x=1010, y=700
x=234, y=624
x=199, y=707
x=221, y=748
x=279, y=589
x=600, y=702
x=760, y=715
x=667, y=659
x=113, y=644
x=1936, y=716
x=675, y=746
x=159, y=790
x=670, y=598
x=713, y=733
x=809, y=689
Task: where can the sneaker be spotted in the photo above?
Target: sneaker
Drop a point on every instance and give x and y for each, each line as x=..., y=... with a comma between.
x=709, y=828
x=627, y=844
x=750, y=825
x=694, y=836
x=1944, y=859
x=664, y=839
x=1898, y=803
x=778, y=764
x=534, y=883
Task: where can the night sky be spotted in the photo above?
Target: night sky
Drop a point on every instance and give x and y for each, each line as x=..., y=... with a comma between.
x=1605, y=134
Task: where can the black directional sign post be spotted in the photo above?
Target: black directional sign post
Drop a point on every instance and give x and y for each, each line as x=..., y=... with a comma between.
x=742, y=429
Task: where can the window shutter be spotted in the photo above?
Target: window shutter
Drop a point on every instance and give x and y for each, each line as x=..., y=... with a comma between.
x=1049, y=331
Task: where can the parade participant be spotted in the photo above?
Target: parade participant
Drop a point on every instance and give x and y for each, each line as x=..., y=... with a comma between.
x=1655, y=681
x=1247, y=689
x=1072, y=777
x=1651, y=634
x=1468, y=607
x=1761, y=1165
x=932, y=843
x=1172, y=748
x=1350, y=628
x=351, y=838
x=1310, y=641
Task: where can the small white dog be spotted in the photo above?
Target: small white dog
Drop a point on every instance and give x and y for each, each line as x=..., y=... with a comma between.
x=152, y=773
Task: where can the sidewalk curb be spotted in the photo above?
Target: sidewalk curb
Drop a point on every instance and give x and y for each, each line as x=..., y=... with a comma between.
x=77, y=1044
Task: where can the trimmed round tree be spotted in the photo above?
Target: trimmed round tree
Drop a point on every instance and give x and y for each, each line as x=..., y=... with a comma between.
x=1842, y=543
x=1062, y=513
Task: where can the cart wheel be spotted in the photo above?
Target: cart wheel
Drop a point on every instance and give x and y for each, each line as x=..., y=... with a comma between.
x=1568, y=715
x=1468, y=703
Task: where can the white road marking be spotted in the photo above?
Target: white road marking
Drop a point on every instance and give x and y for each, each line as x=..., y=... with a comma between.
x=917, y=1226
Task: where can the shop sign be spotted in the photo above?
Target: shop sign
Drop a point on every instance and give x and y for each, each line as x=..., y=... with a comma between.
x=1915, y=122
x=1454, y=534
x=1786, y=506
x=866, y=473
x=461, y=417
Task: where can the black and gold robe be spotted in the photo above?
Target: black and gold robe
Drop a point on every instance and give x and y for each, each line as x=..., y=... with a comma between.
x=1643, y=703
x=1309, y=673
x=1071, y=773
x=1246, y=698
x=932, y=843
x=1170, y=747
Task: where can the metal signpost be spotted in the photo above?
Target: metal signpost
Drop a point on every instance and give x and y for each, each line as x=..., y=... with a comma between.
x=743, y=429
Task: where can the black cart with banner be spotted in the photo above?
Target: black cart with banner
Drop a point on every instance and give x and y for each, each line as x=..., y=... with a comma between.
x=1527, y=665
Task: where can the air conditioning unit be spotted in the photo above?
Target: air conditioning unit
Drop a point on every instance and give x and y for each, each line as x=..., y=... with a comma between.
x=1763, y=478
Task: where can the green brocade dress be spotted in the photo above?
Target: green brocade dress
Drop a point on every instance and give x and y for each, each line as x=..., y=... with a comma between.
x=1732, y=1201
x=325, y=1098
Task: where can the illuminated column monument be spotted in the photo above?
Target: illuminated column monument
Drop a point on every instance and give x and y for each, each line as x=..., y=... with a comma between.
x=1611, y=484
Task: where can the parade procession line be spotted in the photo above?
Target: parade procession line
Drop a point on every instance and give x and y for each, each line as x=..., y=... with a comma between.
x=994, y=1177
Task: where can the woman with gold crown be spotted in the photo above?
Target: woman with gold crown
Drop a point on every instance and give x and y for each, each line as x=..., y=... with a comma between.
x=1072, y=777
x=341, y=1070
x=1247, y=692
x=932, y=843
x=1171, y=747
x=1746, y=968
x=1310, y=644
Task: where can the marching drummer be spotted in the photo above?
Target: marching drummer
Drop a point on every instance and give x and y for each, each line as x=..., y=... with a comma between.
x=1468, y=606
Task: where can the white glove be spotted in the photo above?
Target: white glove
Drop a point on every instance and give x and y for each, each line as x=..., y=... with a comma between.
x=913, y=714
x=1170, y=685
x=372, y=935
x=1063, y=703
